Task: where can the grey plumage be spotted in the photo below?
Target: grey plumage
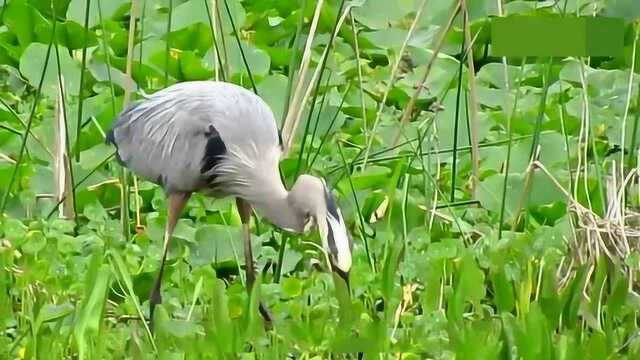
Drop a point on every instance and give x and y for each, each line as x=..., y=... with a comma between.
x=166, y=135
x=221, y=139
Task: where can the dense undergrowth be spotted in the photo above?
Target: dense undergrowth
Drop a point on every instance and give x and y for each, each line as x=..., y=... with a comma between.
x=494, y=207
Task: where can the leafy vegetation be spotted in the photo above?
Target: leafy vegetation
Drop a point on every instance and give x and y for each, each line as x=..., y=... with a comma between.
x=494, y=203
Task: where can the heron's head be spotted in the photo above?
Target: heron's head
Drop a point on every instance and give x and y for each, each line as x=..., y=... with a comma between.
x=314, y=201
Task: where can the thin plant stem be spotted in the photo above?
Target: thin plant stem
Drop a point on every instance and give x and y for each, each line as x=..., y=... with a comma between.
x=124, y=184
x=406, y=115
x=10, y=129
x=626, y=112
x=214, y=40
x=330, y=127
x=365, y=126
x=535, y=148
x=295, y=102
x=237, y=37
x=168, y=45
x=454, y=161
x=142, y=16
x=391, y=81
x=565, y=134
x=472, y=106
x=373, y=160
x=107, y=56
x=82, y=71
x=223, y=41
x=507, y=165
x=363, y=234
x=23, y=145
x=292, y=62
x=634, y=134
x=66, y=132
x=316, y=86
x=317, y=122
x=75, y=187
x=283, y=246
x=24, y=125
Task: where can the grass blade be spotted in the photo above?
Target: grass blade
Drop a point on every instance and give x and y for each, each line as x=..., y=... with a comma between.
x=23, y=144
x=64, y=165
x=293, y=62
x=244, y=58
x=167, y=44
x=507, y=165
x=454, y=161
x=216, y=53
x=82, y=71
x=391, y=81
x=363, y=234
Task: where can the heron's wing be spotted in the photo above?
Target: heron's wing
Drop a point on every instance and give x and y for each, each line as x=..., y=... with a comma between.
x=178, y=136
x=168, y=139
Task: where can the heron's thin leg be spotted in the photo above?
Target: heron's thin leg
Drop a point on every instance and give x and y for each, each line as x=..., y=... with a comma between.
x=244, y=208
x=177, y=201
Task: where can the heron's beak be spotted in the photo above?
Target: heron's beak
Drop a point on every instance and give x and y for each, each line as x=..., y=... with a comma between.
x=338, y=245
x=335, y=238
x=344, y=275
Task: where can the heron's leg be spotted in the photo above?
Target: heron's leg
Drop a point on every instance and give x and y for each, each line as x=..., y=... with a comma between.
x=176, y=201
x=244, y=208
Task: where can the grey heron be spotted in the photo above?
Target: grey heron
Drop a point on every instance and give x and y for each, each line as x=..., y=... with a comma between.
x=222, y=140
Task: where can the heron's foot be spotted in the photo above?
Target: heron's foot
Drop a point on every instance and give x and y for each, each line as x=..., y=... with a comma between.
x=154, y=299
x=266, y=316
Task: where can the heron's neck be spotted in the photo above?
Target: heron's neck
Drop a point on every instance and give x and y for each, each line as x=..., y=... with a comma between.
x=277, y=208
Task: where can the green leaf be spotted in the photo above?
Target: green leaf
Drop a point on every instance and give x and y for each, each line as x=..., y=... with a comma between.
x=35, y=241
x=218, y=244
x=222, y=332
x=14, y=230
x=372, y=177
x=111, y=8
x=291, y=287
x=503, y=291
x=466, y=287
x=32, y=64
x=89, y=314
x=22, y=19
x=273, y=90
x=378, y=14
x=52, y=312
x=258, y=59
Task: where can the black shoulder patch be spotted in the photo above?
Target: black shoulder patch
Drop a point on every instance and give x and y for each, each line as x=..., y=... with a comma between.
x=161, y=180
x=213, y=151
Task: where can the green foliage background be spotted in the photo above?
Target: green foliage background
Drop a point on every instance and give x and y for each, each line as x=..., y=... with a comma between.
x=518, y=269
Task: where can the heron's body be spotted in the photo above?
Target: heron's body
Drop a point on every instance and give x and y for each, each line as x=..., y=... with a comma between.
x=180, y=137
x=222, y=140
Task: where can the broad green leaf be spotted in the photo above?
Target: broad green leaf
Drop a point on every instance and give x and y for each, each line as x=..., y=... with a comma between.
x=34, y=242
x=291, y=287
x=466, y=288
x=32, y=65
x=378, y=14
x=89, y=313
x=272, y=90
x=111, y=8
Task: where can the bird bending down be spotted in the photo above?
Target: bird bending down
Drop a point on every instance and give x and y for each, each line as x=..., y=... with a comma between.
x=222, y=140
